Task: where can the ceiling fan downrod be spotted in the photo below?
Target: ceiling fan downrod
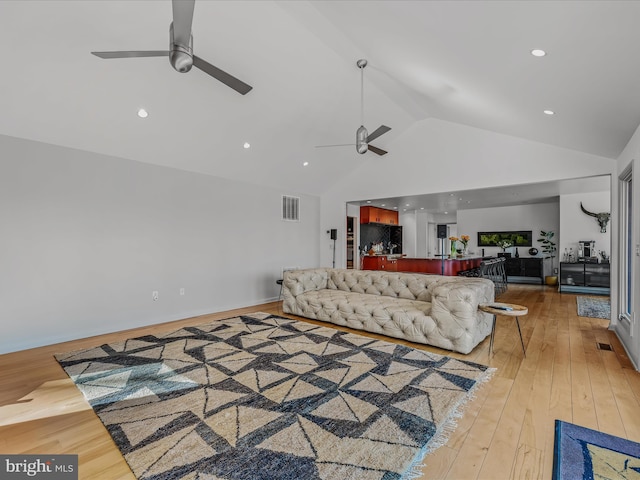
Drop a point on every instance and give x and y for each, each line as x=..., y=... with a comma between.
x=361, y=134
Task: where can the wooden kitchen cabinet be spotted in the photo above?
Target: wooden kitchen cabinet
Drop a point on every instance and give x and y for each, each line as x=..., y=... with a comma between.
x=379, y=262
x=378, y=215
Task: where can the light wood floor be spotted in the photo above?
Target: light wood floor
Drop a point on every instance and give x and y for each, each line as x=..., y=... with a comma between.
x=506, y=431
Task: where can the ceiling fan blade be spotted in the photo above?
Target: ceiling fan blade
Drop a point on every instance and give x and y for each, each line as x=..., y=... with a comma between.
x=229, y=80
x=132, y=54
x=377, y=150
x=381, y=130
x=336, y=145
x=182, y=21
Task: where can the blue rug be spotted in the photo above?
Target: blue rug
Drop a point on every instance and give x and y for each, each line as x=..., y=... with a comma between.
x=582, y=453
x=594, y=307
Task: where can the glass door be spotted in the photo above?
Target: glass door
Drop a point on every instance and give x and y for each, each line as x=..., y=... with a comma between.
x=625, y=300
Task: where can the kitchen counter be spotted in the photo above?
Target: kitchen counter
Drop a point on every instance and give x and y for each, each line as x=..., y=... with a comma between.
x=434, y=265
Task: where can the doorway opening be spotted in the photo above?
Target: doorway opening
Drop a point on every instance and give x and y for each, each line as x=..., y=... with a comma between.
x=351, y=244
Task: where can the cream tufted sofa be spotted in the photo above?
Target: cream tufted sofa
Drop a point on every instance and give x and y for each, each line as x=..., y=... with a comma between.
x=431, y=309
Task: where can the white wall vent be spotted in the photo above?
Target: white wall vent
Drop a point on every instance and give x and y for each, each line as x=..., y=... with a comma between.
x=290, y=208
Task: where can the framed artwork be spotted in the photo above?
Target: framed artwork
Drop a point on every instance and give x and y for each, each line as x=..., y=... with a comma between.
x=522, y=238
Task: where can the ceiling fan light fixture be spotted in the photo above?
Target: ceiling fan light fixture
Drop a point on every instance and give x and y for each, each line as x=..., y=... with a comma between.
x=361, y=140
x=180, y=61
x=180, y=56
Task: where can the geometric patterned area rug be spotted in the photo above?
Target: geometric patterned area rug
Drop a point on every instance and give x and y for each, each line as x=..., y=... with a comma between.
x=263, y=397
x=582, y=453
x=594, y=307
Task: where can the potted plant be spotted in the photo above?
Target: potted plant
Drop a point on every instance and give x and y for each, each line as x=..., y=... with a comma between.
x=549, y=250
x=504, y=244
x=454, y=249
x=464, y=239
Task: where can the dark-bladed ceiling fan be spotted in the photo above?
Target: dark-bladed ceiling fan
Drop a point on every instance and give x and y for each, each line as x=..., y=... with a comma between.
x=363, y=138
x=180, y=51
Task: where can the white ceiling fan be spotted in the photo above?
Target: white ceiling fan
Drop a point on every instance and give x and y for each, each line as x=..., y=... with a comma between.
x=180, y=51
x=363, y=138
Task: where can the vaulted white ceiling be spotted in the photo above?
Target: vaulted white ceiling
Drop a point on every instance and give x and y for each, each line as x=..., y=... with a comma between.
x=465, y=62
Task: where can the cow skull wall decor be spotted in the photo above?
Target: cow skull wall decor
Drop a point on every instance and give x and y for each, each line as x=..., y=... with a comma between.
x=602, y=218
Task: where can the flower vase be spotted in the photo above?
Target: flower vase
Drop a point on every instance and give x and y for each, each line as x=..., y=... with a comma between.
x=454, y=253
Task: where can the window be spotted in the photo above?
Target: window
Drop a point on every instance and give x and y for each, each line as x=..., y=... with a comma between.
x=626, y=245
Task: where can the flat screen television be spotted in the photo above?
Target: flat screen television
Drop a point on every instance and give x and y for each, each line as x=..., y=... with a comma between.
x=523, y=238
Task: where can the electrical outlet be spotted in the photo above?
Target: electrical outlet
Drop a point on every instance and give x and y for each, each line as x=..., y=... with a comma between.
x=154, y=295
x=182, y=292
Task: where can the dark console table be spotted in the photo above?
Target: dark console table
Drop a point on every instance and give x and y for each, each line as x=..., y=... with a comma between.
x=585, y=278
x=524, y=270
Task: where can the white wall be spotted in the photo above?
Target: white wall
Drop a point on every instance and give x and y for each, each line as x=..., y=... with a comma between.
x=422, y=237
x=86, y=238
x=576, y=225
x=409, y=222
x=534, y=217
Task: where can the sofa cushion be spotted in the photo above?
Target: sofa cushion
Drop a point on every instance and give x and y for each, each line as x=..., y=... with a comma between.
x=395, y=317
x=397, y=285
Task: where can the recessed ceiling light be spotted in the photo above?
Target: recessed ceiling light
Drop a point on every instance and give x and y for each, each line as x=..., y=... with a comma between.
x=421, y=208
x=446, y=213
x=142, y=113
x=368, y=201
x=407, y=205
x=305, y=164
x=549, y=112
x=538, y=53
x=246, y=145
x=383, y=205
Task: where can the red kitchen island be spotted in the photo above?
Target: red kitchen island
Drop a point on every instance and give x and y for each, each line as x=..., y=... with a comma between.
x=397, y=263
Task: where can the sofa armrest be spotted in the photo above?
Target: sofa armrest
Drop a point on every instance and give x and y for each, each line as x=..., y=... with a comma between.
x=296, y=282
x=454, y=306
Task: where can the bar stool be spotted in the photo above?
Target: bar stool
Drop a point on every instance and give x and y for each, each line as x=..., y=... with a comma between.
x=506, y=310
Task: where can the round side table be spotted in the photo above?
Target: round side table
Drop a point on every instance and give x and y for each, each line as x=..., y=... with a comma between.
x=506, y=310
